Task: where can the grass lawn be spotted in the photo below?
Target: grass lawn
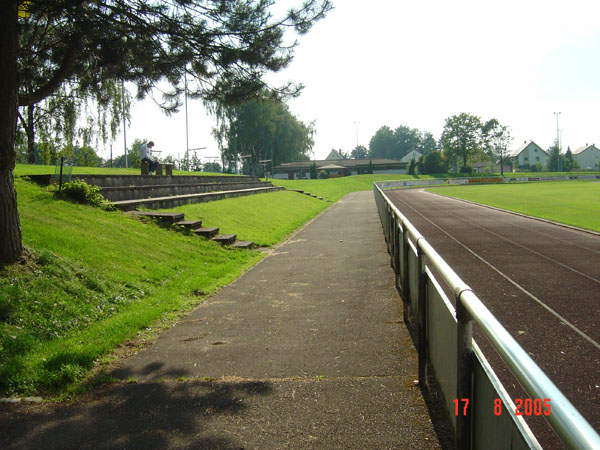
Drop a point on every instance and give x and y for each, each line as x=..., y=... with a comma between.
x=97, y=279
x=335, y=188
x=571, y=202
x=264, y=219
x=38, y=169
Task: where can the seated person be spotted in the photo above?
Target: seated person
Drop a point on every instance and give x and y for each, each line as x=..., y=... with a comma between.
x=146, y=156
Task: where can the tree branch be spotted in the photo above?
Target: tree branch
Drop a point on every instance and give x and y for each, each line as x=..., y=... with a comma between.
x=59, y=76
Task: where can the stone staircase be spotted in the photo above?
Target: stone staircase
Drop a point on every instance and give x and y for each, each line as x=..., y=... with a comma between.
x=195, y=226
x=129, y=192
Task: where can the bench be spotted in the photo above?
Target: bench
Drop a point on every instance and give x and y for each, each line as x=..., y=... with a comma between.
x=168, y=168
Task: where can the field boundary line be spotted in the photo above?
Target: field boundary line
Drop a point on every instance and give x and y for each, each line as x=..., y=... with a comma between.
x=541, y=219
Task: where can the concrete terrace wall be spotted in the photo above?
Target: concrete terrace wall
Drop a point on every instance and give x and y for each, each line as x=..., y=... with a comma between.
x=145, y=180
x=132, y=192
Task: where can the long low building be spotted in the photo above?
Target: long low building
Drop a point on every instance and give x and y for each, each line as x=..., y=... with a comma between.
x=335, y=166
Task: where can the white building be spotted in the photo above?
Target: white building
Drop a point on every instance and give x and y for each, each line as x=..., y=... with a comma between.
x=413, y=154
x=528, y=154
x=588, y=157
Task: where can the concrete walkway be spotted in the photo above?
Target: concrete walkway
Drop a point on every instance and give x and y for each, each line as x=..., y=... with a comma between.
x=306, y=350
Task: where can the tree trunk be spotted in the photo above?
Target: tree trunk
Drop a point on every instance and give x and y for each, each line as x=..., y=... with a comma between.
x=11, y=246
x=30, y=135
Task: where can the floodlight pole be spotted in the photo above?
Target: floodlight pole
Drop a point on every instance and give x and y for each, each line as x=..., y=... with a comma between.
x=124, y=120
x=187, y=144
x=557, y=142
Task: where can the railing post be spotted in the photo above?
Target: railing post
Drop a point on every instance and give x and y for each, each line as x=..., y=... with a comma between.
x=404, y=272
x=422, y=315
x=464, y=374
x=396, y=254
x=393, y=241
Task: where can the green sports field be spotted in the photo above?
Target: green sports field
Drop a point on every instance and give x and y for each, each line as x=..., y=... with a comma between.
x=571, y=202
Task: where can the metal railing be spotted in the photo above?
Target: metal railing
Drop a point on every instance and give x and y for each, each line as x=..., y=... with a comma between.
x=481, y=411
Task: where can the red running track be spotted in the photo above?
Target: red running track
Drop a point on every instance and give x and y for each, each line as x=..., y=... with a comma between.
x=540, y=280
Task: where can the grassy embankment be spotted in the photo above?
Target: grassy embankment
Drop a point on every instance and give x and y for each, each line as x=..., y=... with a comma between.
x=574, y=203
x=97, y=279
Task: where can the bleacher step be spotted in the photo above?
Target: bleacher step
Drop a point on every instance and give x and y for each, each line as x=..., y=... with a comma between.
x=225, y=239
x=242, y=244
x=166, y=216
x=207, y=232
x=190, y=224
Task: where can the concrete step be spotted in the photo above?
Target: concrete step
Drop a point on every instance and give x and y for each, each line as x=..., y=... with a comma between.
x=165, y=216
x=225, y=239
x=177, y=200
x=144, y=180
x=206, y=232
x=243, y=244
x=190, y=224
x=121, y=193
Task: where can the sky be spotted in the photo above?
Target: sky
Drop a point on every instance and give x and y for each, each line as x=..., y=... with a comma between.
x=416, y=63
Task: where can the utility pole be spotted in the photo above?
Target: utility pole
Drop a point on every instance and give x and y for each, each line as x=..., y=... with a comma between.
x=557, y=142
x=124, y=121
x=187, y=143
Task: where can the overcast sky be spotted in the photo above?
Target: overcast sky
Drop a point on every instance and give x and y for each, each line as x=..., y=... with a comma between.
x=382, y=62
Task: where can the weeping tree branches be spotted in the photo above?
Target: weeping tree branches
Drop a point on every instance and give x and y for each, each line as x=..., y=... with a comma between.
x=228, y=46
x=261, y=129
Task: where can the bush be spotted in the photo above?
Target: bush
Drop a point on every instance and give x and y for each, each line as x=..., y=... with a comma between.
x=313, y=171
x=412, y=166
x=323, y=175
x=81, y=192
x=467, y=169
x=435, y=162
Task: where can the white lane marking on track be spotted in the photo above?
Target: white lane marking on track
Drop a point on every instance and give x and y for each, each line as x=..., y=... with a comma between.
x=493, y=208
x=596, y=280
x=518, y=286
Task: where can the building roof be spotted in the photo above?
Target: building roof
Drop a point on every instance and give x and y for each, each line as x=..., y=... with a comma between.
x=583, y=149
x=343, y=163
x=410, y=155
x=516, y=152
x=334, y=155
x=331, y=166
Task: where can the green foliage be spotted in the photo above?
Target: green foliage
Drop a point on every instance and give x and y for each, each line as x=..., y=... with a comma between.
x=81, y=192
x=213, y=167
x=434, y=162
x=412, y=166
x=323, y=175
x=461, y=138
x=261, y=129
x=495, y=141
x=370, y=168
x=394, y=144
x=93, y=115
x=92, y=43
x=313, y=171
x=80, y=156
x=359, y=152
